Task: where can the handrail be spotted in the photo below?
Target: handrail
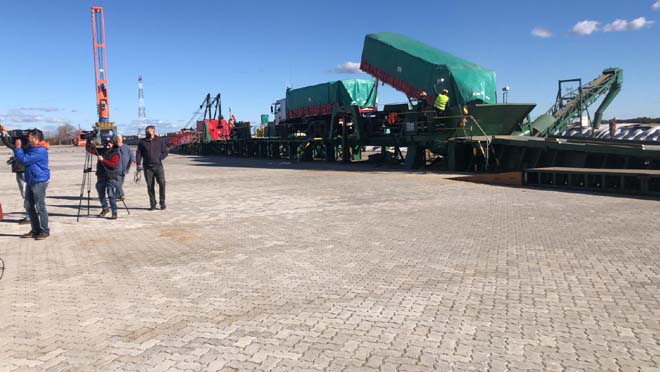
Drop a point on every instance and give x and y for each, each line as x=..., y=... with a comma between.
x=488, y=139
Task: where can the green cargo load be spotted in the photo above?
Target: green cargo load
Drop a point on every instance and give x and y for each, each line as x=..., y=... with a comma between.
x=412, y=67
x=321, y=99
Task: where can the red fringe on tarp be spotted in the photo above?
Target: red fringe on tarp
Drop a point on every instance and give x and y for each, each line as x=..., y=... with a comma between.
x=310, y=111
x=395, y=83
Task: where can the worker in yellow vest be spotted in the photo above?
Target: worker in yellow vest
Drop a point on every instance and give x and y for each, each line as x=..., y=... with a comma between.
x=441, y=102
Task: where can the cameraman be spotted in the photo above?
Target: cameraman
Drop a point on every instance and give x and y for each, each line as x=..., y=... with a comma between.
x=106, y=175
x=37, y=175
x=153, y=150
x=19, y=170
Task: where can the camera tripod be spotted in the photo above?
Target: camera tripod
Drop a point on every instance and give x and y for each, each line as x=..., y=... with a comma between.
x=86, y=184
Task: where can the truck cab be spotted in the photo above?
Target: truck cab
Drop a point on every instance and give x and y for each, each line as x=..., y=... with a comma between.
x=278, y=109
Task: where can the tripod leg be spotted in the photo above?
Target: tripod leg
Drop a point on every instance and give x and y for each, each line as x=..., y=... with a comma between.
x=89, y=187
x=127, y=210
x=82, y=186
x=79, y=207
x=86, y=184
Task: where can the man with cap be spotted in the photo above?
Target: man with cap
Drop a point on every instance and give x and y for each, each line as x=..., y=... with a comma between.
x=106, y=175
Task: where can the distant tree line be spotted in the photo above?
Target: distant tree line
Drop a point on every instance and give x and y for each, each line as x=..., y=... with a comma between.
x=62, y=135
x=642, y=120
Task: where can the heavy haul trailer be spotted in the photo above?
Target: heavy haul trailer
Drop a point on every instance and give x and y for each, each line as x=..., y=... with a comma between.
x=414, y=68
x=337, y=119
x=309, y=111
x=314, y=122
x=539, y=143
x=490, y=137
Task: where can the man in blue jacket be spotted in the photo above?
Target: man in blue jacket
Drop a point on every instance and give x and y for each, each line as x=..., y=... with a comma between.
x=37, y=175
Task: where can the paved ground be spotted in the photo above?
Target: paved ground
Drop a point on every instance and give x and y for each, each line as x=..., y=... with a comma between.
x=263, y=266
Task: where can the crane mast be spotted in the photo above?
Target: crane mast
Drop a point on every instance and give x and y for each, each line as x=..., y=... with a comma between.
x=104, y=125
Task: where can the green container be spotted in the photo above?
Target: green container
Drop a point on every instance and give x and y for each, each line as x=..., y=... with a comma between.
x=320, y=99
x=499, y=119
x=412, y=67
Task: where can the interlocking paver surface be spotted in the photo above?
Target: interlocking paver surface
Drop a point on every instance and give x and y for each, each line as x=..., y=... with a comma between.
x=262, y=265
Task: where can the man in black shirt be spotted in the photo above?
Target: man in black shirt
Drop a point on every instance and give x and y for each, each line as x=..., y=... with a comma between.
x=152, y=150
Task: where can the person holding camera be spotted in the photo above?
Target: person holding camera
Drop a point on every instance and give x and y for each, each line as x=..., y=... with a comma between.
x=18, y=169
x=37, y=175
x=153, y=150
x=106, y=175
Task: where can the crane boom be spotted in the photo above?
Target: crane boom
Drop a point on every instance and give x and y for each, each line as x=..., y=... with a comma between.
x=100, y=64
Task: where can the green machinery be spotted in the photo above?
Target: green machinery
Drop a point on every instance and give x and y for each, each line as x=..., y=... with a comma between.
x=570, y=106
x=475, y=133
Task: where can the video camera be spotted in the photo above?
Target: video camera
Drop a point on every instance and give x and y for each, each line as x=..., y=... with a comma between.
x=21, y=134
x=90, y=135
x=15, y=134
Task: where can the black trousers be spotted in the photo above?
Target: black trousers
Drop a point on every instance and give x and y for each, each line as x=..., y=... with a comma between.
x=153, y=176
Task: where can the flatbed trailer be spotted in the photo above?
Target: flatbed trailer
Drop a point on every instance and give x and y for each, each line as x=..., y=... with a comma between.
x=641, y=182
x=574, y=164
x=513, y=153
x=460, y=153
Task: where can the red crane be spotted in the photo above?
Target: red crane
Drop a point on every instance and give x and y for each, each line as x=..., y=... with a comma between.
x=104, y=126
x=100, y=64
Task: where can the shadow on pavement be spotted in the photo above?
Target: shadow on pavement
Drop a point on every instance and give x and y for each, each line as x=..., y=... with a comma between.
x=9, y=220
x=63, y=215
x=65, y=197
x=316, y=165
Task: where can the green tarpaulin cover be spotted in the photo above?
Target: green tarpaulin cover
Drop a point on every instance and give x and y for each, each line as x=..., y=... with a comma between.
x=412, y=66
x=319, y=99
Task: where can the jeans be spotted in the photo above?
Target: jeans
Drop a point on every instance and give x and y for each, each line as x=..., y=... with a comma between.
x=120, y=186
x=108, y=186
x=22, y=186
x=156, y=174
x=35, y=196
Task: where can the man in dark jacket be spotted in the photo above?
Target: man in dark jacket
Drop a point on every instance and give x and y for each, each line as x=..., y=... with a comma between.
x=18, y=169
x=37, y=175
x=106, y=175
x=152, y=150
x=126, y=159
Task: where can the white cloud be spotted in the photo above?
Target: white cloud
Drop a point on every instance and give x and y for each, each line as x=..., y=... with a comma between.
x=586, y=27
x=19, y=117
x=656, y=5
x=620, y=25
x=162, y=126
x=43, y=109
x=541, y=32
x=640, y=23
x=348, y=68
x=616, y=26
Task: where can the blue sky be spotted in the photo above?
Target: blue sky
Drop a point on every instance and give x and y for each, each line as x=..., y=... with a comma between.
x=251, y=50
